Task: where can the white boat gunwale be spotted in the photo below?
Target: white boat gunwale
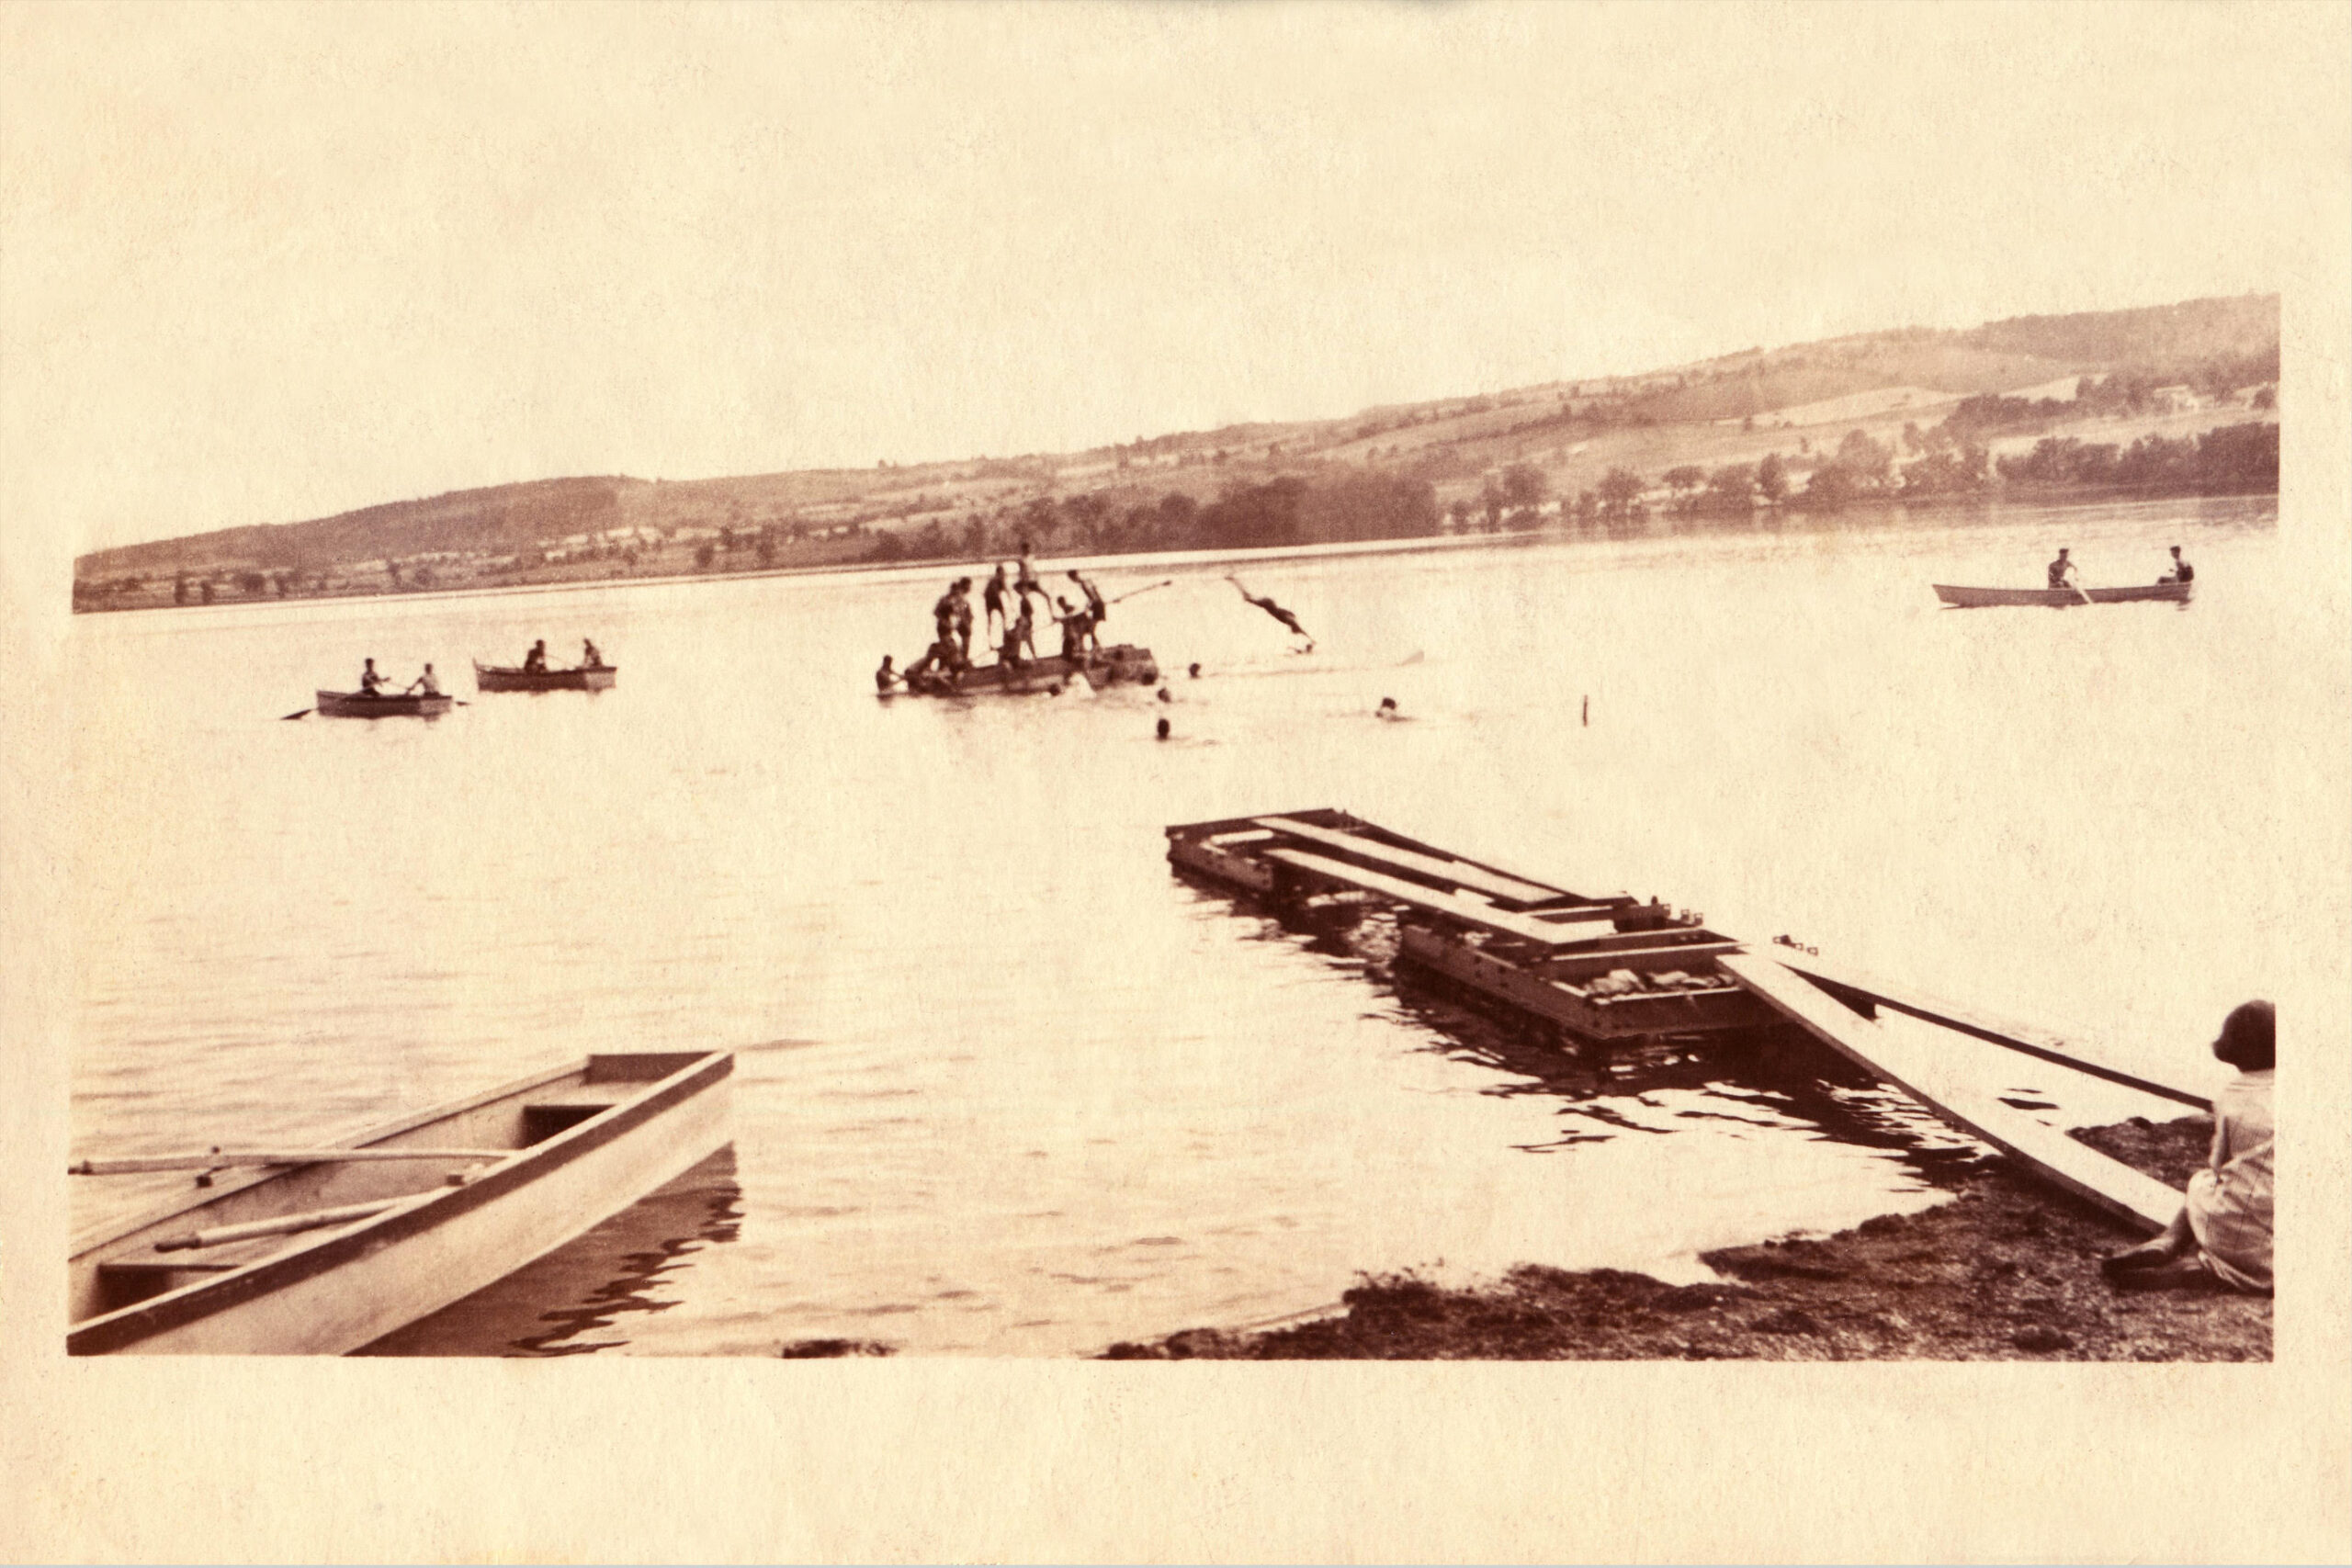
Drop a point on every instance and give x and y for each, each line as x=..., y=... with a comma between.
x=410, y=1216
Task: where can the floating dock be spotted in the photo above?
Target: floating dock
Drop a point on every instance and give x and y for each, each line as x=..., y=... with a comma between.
x=1605, y=970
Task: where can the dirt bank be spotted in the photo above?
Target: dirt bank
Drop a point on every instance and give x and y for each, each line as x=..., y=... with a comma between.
x=2008, y=1271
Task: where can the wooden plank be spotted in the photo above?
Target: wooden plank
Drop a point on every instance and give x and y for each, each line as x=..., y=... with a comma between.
x=1690, y=957
x=225, y=1159
x=1453, y=906
x=2138, y=1200
x=2020, y=1037
x=1463, y=874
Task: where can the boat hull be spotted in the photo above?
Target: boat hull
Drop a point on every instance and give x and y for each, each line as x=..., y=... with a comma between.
x=503, y=678
x=332, y=1292
x=352, y=704
x=2060, y=598
x=1124, y=664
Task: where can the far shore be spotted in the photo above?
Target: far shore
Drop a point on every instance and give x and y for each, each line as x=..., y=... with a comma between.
x=1659, y=525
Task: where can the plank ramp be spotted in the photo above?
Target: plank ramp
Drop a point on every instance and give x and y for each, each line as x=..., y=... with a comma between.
x=2025, y=1038
x=2110, y=1185
x=1462, y=873
x=1453, y=906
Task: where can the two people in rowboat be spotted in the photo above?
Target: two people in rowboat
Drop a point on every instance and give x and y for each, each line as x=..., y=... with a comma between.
x=2179, y=570
x=372, y=683
x=2221, y=1238
x=1285, y=618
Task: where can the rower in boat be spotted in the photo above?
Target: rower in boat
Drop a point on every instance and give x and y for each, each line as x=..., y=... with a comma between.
x=370, y=682
x=1098, y=609
x=425, y=683
x=2221, y=1238
x=2061, y=573
x=2180, y=570
x=590, y=658
x=887, y=679
x=536, y=661
x=1285, y=616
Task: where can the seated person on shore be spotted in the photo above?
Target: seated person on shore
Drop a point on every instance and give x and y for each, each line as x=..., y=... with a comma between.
x=369, y=682
x=2221, y=1238
x=426, y=684
x=589, y=658
x=536, y=661
x=2062, y=572
x=2179, y=570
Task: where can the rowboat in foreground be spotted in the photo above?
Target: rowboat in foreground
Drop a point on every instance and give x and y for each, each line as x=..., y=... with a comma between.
x=2059, y=598
x=513, y=678
x=1104, y=667
x=360, y=704
x=321, y=1251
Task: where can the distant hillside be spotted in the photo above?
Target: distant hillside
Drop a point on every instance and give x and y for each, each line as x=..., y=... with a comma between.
x=1397, y=468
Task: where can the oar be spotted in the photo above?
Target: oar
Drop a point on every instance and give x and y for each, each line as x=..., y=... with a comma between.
x=298, y=715
x=1146, y=588
x=284, y=1224
x=222, y=1159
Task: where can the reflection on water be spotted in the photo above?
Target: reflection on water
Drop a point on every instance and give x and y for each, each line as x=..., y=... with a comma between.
x=618, y=1269
x=1005, y=1086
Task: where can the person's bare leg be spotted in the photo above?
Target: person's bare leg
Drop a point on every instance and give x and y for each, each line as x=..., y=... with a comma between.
x=2166, y=1245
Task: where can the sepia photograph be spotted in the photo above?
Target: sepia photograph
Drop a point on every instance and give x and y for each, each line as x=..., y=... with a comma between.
x=848, y=715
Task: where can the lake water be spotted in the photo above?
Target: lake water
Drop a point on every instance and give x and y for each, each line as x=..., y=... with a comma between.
x=1004, y=1085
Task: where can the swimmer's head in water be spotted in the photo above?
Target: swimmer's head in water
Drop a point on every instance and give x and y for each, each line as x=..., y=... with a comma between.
x=1162, y=730
x=1164, y=696
x=1194, y=671
x=1389, y=704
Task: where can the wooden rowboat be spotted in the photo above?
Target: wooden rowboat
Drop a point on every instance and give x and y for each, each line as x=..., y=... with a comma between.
x=509, y=678
x=1123, y=663
x=321, y=1251
x=2058, y=598
x=358, y=704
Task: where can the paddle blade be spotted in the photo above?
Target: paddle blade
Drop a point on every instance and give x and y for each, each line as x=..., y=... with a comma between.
x=294, y=716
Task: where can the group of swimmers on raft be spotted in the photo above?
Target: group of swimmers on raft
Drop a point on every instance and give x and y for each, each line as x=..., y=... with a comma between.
x=950, y=654
x=1013, y=632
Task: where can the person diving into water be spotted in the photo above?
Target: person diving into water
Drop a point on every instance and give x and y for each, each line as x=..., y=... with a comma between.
x=1285, y=616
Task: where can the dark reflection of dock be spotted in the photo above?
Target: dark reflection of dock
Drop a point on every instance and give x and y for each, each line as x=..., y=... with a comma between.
x=1614, y=994
x=613, y=1272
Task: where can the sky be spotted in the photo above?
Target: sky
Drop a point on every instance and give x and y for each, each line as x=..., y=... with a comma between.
x=266, y=263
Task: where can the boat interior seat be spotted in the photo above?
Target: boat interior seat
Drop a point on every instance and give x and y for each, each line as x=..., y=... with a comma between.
x=545, y=1118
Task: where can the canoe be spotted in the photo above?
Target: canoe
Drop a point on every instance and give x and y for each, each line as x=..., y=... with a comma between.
x=509, y=678
x=2059, y=598
x=339, y=1250
x=357, y=705
x=1106, y=667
